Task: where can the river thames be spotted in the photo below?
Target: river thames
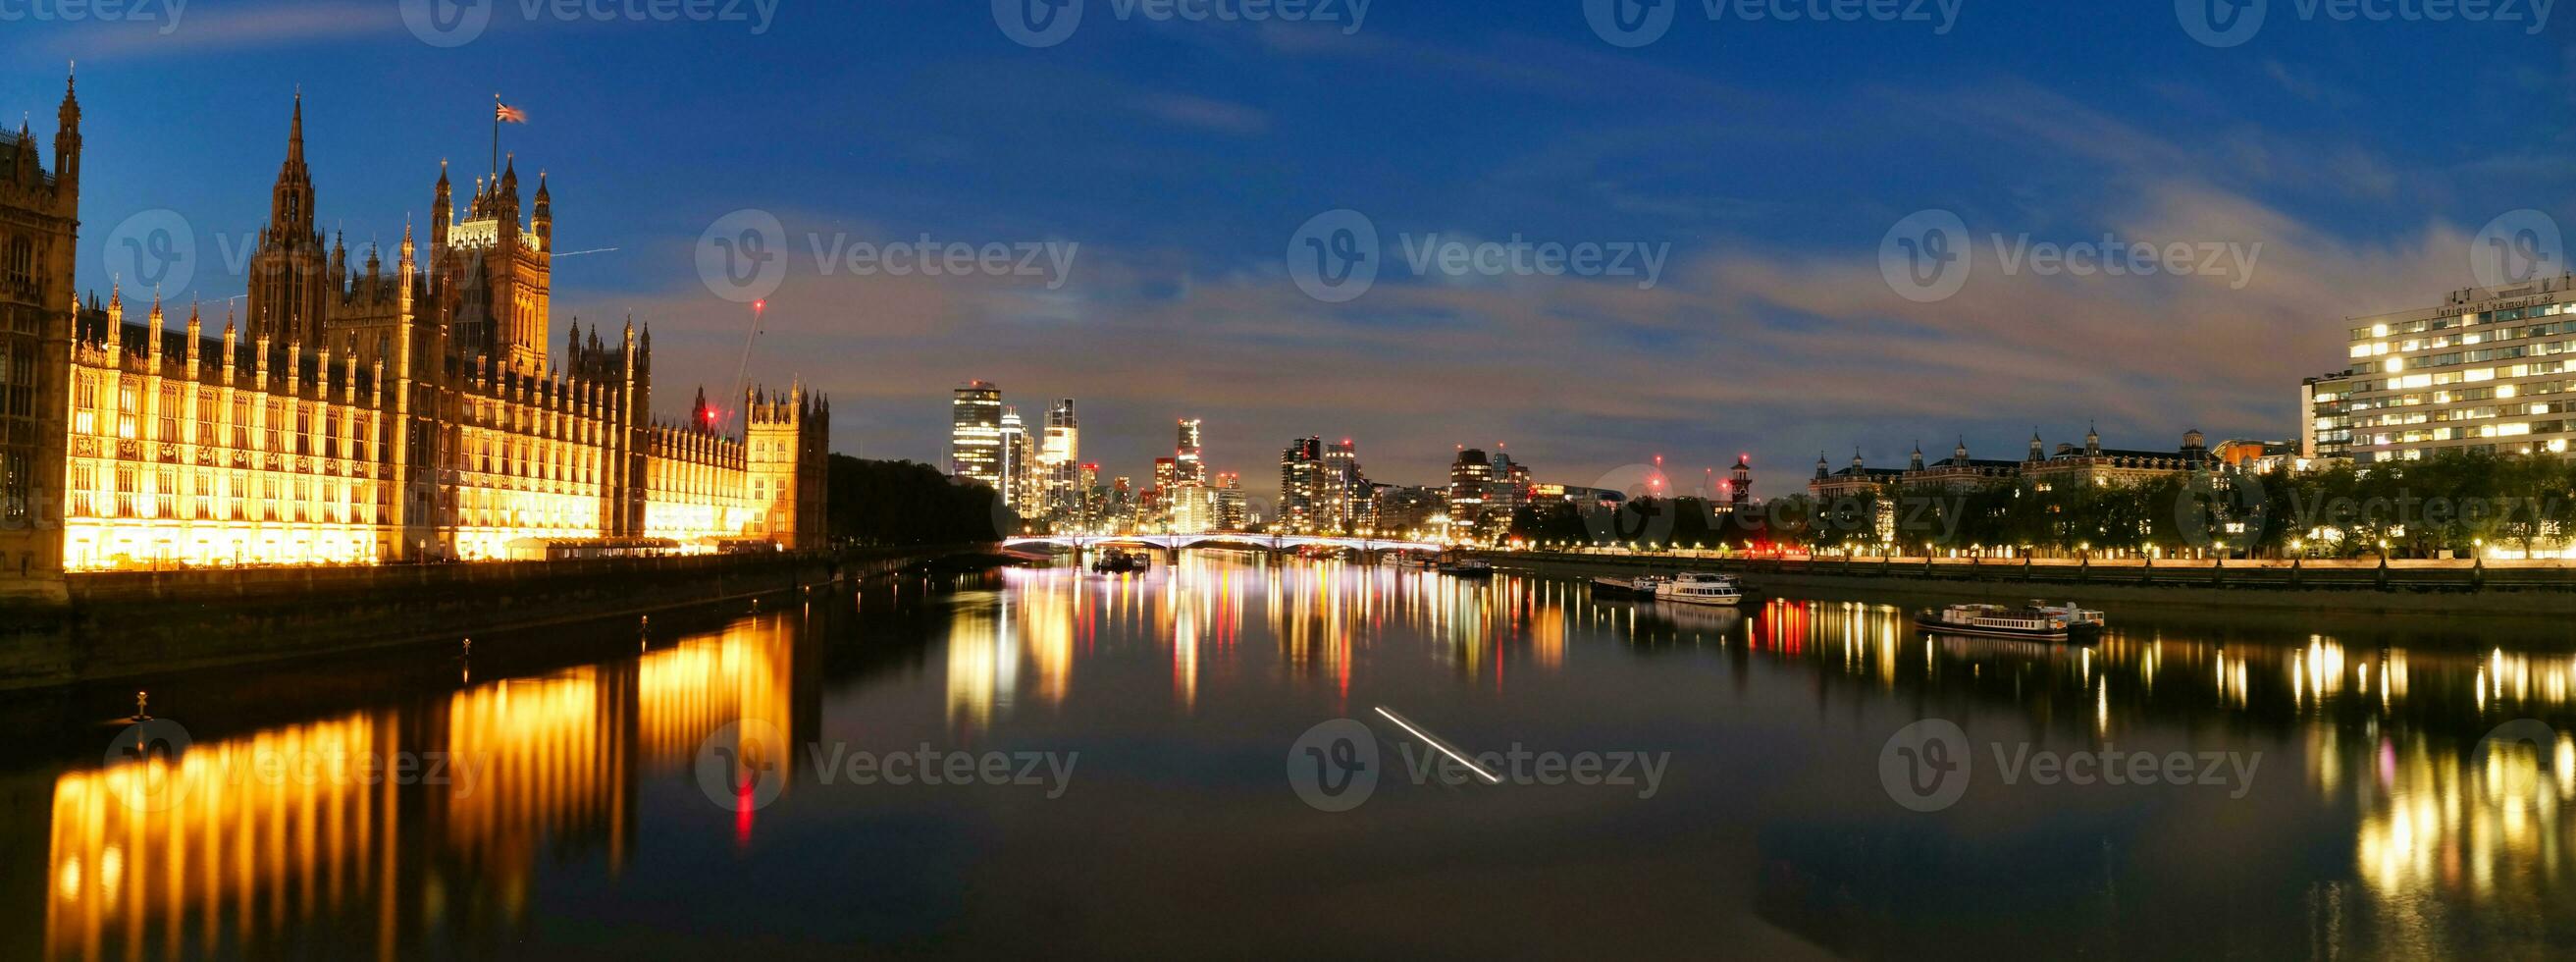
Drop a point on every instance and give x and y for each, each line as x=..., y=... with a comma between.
x=1061, y=763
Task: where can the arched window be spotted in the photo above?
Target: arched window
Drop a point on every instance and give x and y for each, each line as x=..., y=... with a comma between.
x=19, y=263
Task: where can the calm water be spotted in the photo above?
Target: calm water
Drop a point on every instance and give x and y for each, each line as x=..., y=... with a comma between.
x=1158, y=717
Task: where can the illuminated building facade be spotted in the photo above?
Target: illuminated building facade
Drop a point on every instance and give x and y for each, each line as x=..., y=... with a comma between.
x=2325, y=426
x=386, y=413
x=2486, y=371
x=2068, y=464
x=1471, y=477
x=975, y=434
x=1301, y=470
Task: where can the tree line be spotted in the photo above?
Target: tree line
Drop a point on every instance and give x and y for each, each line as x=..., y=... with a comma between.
x=896, y=503
x=2457, y=502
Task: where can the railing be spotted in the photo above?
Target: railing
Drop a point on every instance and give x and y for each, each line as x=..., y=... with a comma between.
x=2292, y=574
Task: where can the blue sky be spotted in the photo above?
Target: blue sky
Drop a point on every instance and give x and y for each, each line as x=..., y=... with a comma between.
x=1769, y=161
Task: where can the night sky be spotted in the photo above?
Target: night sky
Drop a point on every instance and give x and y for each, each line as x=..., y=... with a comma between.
x=1769, y=162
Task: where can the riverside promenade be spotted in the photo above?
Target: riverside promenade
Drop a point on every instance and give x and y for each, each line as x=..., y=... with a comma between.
x=2543, y=587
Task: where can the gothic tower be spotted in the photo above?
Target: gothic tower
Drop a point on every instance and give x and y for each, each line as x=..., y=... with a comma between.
x=290, y=282
x=39, y=231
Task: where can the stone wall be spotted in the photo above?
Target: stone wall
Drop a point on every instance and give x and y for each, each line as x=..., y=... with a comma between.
x=127, y=624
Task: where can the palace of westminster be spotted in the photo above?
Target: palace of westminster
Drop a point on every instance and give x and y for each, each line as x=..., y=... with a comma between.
x=356, y=415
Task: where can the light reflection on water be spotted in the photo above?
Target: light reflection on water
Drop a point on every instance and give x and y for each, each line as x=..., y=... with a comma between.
x=2444, y=849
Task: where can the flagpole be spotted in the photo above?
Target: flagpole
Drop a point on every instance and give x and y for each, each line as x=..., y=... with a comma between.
x=496, y=136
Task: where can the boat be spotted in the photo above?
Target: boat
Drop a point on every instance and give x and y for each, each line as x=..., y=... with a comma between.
x=1641, y=586
x=2038, y=621
x=1699, y=588
x=1468, y=568
x=1120, y=561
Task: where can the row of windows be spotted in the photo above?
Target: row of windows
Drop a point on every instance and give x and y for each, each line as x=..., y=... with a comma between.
x=2448, y=321
x=251, y=427
x=135, y=492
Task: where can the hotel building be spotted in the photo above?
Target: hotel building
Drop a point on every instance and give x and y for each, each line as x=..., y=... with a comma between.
x=2042, y=467
x=2488, y=370
x=357, y=414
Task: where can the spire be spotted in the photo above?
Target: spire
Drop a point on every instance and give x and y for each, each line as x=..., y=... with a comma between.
x=295, y=133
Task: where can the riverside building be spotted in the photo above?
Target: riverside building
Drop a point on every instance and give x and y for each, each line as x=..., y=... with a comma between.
x=2488, y=370
x=358, y=413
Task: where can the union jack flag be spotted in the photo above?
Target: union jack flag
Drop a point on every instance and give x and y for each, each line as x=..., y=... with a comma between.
x=508, y=114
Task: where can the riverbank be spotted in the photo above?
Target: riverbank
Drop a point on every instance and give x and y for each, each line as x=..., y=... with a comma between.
x=133, y=624
x=2359, y=587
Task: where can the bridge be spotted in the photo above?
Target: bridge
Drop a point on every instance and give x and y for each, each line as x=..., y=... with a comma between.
x=1176, y=542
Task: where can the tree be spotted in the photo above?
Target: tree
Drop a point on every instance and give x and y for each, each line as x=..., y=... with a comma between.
x=875, y=503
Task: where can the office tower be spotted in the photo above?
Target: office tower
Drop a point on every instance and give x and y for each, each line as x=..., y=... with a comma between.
x=1300, y=466
x=1060, y=462
x=1188, y=468
x=1017, y=456
x=1341, y=485
x=1088, y=496
x=1229, y=502
x=975, y=434
x=1470, y=477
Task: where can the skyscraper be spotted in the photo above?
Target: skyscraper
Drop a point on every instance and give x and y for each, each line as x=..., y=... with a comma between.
x=975, y=434
x=1060, y=460
x=1188, y=469
x=1340, y=486
x=1229, y=502
x=1300, y=466
x=1018, y=458
x=1469, y=478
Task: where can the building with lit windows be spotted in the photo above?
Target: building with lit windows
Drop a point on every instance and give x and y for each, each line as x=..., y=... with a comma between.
x=1301, y=472
x=1471, y=480
x=2488, y=370
x=1188, y=467
x=2067, y=464
x=975, y=434
x=369, y=414
x=1230, y=508
x=2325, y=427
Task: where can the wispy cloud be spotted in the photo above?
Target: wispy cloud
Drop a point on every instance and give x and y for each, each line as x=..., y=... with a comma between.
x=159, y=28
x=1220, y=116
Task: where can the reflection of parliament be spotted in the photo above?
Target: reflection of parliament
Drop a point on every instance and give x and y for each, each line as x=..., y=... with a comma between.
x=357, y=414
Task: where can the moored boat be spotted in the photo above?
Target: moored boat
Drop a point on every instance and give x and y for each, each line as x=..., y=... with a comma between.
x=2037, y=621
x=1468, y=568
x=1698, y=588
x=1119, y=561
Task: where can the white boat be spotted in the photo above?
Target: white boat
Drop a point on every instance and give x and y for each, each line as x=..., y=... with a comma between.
x=1696, y=588
x=2039, y=622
